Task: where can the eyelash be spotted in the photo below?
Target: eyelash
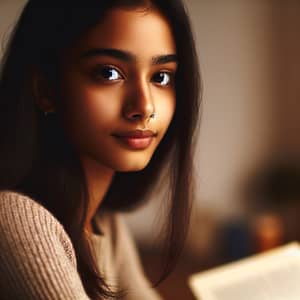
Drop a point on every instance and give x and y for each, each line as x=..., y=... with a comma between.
x=169, y=74
x=98, y=74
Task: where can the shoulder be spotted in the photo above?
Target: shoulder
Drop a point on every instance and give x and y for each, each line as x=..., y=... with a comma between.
x=25, y=221
x=15, y=200
x=37, y=259
x=18, y=211
x=15, y=203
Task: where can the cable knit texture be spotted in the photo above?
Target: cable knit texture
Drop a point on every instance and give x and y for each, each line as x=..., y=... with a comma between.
x=37, y=258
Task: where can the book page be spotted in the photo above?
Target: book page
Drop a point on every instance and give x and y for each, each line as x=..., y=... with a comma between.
x=272, y=275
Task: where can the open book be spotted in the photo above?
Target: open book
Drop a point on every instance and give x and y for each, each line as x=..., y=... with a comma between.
x=271, y=275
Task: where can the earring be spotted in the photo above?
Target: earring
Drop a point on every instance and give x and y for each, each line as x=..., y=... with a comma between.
x=46, y=113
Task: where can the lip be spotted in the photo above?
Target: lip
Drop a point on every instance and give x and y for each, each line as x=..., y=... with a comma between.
x=135, y=134
x=135, y=139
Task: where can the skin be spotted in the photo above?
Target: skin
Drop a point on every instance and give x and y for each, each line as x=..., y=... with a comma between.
x=103, y=93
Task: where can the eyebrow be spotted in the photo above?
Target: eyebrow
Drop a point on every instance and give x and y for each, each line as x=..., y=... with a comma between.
x=127, y=56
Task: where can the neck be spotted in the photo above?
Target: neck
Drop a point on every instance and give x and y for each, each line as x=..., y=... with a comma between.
x=98, y=179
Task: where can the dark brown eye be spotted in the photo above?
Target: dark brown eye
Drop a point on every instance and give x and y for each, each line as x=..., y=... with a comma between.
x=108, y=73
x=162, y=78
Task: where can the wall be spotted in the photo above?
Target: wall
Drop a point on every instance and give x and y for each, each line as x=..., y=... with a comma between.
x=9, y=9
x=287, y=79
x=235, y=43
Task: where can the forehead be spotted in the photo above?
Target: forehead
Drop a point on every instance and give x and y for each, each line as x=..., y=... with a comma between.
x=143, y=33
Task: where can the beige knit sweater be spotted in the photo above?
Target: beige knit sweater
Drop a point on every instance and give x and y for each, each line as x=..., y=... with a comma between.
x=37, y=258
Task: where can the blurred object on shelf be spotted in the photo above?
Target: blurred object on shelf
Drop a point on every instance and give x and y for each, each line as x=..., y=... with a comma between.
x=236, y=240
x=268, y=231
x=273, y=196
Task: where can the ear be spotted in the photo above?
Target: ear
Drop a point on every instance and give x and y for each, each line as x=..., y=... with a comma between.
x=43, y=93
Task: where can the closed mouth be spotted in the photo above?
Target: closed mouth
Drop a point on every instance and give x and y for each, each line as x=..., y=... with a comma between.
x=136, y=140
x=136, y=134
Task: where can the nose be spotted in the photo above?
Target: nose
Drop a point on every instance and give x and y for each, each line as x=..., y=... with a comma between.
x=139, y=105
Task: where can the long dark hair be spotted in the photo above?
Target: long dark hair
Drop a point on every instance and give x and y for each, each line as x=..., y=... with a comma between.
x=35, y=156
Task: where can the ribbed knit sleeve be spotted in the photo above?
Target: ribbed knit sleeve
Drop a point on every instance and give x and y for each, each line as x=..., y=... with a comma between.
x=37, y=259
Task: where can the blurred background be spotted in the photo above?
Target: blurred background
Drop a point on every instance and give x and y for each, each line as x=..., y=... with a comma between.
x=248, y=156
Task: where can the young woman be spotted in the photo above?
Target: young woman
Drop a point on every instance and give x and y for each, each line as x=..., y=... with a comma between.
x=99, y=101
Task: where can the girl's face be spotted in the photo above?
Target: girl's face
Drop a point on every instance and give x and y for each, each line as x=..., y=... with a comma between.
x=113, y=81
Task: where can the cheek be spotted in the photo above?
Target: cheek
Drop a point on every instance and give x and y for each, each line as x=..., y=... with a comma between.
x=91, y=106
x=89, y=113
x=166, y=108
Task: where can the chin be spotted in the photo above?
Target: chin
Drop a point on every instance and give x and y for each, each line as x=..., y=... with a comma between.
x=132, y=166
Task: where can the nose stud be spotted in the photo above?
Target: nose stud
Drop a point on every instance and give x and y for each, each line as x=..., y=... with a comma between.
x=152, y=116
